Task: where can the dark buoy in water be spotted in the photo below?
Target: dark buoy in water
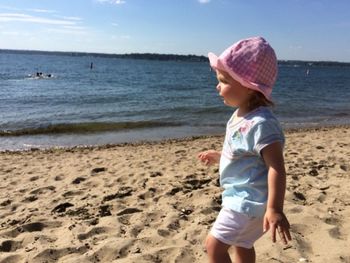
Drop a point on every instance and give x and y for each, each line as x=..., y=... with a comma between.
x=91, y=65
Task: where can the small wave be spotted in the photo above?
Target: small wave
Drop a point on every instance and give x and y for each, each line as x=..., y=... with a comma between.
x=90, y=127
x=341, y=114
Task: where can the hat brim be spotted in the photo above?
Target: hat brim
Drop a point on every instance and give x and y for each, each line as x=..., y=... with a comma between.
x=216, y=64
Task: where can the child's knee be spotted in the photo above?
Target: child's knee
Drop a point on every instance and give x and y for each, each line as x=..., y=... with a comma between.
x=248, y=254
x=214, y=246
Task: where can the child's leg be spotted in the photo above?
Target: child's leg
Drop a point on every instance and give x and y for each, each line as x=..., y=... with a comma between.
x=217, y=251
x=244, y=255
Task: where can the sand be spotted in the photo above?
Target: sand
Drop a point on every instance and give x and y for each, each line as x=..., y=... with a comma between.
x=154, y=202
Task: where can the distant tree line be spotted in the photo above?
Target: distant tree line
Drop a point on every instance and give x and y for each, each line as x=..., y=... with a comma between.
x=313, y=63
x=147, y=56
x=169, y=57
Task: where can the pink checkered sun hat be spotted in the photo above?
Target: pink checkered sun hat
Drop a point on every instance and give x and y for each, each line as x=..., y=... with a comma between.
x=252, y=62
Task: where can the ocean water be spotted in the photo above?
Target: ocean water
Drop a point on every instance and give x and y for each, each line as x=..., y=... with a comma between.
x=127, y=100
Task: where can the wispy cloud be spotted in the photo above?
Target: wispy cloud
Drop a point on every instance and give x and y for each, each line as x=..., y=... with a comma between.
x=75, y=27
x=204, y=1
x=36, y=10
x=8, y=8
x=42, y=11
x=17, y=17
x=67, y=30
x=73, y=18
x=115, y=2
x=115, y=24
x=10, y=33
x=16, y=34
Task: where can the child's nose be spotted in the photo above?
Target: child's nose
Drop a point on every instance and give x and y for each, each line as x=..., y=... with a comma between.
x=218, y=87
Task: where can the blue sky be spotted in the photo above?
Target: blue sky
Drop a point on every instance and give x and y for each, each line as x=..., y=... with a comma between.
x=297, y=29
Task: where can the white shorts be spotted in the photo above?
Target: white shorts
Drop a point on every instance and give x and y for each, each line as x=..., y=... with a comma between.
x=237, y=229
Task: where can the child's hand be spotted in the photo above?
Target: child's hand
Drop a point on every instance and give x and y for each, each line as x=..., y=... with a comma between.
x=209, y=157
x=277, y=221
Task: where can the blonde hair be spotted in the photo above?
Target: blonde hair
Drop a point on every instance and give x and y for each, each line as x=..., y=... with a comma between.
x=257, y=99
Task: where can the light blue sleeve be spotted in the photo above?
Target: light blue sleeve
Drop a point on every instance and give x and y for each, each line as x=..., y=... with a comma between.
x=265, y=133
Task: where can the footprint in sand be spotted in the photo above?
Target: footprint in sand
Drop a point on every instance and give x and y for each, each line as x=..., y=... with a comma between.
x=210, y=210
x=136, y=230
x=156, y=174
x=299, y=197
x=303, y=246
x=104, y=210
x=163, y=232
x=195, y=184
x=43, y=190
x=61, y=207
x=174, y=190
x=335, y=233
x=6, y=202
x=49, y=255
x=122, y=192
x=150, y=193
x=295, y=210
x=31, y=227
x=130, y=210
x=94, y=231
x=112, y=252
x=78, y=180
x=30, y=199
x=98, y=170
x=34, y=178
x=11, y=259
x=345, y=259
x=59, y=177
x=10, y=246
x=331, y=221
x=72, y=193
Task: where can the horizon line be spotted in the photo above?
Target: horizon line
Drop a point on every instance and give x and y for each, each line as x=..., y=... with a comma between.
x=161, y=54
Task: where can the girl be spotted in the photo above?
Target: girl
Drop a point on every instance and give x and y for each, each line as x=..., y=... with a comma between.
x=252, y=171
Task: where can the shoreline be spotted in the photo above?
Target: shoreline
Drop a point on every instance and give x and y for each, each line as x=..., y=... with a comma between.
x=154, y=201
x=168, y=140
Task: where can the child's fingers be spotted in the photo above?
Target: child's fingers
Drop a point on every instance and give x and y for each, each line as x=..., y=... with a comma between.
x=200, y=157
x=203, y=158
x=282, y=234
x=273, y=235
x=266, y=225
x=202, y=154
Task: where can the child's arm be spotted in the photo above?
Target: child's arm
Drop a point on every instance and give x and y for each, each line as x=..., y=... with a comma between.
x=274, y=217
x=209, y=157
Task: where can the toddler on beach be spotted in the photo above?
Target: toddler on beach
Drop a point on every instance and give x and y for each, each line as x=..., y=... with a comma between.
x=252, y=171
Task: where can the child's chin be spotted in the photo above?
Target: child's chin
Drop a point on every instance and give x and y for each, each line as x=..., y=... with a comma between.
x=229, y=104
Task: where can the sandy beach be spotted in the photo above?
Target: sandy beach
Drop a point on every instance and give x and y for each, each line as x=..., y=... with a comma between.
x=154, y=202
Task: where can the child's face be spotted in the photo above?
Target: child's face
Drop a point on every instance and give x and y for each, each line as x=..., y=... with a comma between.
x=233, y=93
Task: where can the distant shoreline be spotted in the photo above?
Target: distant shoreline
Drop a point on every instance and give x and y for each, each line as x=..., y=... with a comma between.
x=164, y=57
x=144, y=56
